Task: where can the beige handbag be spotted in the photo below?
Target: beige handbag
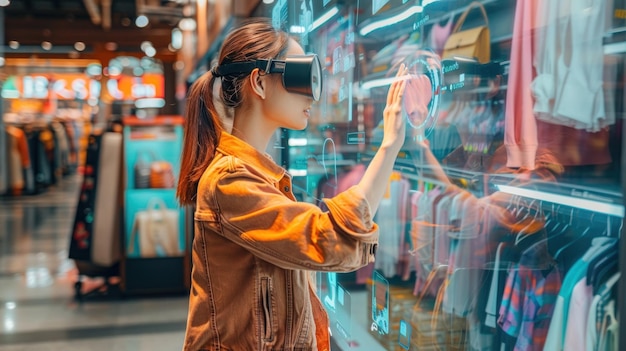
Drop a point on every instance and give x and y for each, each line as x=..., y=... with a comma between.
x=472, y=43
x=156, y=227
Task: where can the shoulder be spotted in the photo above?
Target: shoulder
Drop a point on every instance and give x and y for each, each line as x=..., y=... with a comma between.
x=228, y=175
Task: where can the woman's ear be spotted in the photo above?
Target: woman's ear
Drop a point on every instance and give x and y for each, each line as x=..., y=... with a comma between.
x=258, y=83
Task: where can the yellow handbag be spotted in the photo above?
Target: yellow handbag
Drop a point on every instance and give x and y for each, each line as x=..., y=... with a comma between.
x=472, y=43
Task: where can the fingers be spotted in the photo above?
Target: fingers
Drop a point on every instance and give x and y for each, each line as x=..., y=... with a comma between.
x=400, y=87
x=393, y=89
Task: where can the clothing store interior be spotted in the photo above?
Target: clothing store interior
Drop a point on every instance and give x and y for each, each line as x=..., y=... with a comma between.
x=505, y=234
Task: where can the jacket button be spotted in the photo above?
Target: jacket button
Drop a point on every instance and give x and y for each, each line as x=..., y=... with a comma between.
x=286, y=189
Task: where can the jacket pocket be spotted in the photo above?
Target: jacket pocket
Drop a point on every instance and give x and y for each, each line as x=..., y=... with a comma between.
x=267, y=308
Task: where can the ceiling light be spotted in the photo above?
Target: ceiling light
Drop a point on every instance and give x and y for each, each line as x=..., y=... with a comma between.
x=13, y=44
x=79, y=46
x=268, y=1
x=4, y=3
x=150, y=103
x=46, y=45
x=187, y=24
x=177, y=38
x=141, y=21
x=145, y=44
x=150, y=51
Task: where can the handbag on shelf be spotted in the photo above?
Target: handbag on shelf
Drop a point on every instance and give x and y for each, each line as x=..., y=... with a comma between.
x=153, y=173
x=161, y=175
x=473, y=43
x=156, y=230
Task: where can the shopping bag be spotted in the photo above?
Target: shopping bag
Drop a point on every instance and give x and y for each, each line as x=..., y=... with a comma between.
x=155, y=231
x=472, y=43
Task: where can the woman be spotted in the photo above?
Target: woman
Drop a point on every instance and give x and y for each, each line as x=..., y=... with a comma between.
x=254, y=245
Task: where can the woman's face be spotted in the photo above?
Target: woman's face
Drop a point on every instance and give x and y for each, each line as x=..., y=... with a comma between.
x=285, y=109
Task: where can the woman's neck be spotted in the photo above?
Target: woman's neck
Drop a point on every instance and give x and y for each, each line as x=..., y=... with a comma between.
x=253, y=128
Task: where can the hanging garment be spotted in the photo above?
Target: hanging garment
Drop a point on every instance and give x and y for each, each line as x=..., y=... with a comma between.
x=600, y=299
x=439, y=34
x=556, y=337
x=19, y=159
x=569, y=63
x=520, y=137
x=529, y=299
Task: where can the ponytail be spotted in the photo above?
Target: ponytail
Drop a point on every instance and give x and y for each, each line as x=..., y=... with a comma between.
x=202, y=129
x=256, y=38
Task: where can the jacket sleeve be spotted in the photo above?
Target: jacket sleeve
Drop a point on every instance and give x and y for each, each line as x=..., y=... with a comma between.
x=290, y=234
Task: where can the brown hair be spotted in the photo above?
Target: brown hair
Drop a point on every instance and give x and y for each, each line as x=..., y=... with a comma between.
x=254, y=39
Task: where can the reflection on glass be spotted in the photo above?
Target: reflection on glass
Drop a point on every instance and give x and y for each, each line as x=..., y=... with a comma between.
x=331, y=291
x=344, y=312
x=404, y=338
x=380, y=304
x=507, y=175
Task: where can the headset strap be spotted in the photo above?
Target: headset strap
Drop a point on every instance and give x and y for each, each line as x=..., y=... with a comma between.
x=268, y=66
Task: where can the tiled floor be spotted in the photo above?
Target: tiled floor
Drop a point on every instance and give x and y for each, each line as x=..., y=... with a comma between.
x=37, y=306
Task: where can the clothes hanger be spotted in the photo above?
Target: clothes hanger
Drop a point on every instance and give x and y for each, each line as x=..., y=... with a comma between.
x=531, y=228
x=571, y=244
x=557, y=230
x=552, y=223
x=604, y=269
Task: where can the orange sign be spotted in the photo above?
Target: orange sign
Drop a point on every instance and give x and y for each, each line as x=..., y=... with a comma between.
x=149, y=85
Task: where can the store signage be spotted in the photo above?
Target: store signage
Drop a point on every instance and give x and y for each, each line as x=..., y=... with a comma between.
x=72, y=86
x=55, y=86
x=149, y=85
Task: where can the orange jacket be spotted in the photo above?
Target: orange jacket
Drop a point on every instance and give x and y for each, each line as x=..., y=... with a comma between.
x=254, y=252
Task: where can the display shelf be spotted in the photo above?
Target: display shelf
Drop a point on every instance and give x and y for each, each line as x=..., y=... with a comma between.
x=593, y=199
x=154, y=230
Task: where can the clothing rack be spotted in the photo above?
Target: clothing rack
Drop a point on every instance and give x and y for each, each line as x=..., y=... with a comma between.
x=577, y=196
x=36, y=154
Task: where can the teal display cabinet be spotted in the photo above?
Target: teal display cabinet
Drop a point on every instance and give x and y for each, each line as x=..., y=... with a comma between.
x=155, y=248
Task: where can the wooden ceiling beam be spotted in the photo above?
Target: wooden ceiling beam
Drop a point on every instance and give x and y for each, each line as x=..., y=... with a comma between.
x=67, y=33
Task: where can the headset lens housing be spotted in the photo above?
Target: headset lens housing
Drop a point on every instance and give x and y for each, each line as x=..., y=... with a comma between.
x=303, y=75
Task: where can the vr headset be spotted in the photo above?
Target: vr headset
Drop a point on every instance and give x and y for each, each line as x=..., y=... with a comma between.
x=302, y=74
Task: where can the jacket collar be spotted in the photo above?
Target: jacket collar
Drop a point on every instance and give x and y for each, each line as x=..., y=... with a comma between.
x=233, y=146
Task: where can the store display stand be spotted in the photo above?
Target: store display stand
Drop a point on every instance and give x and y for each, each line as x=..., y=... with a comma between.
x=3, y=152
x=95, y=237
x=155, y=247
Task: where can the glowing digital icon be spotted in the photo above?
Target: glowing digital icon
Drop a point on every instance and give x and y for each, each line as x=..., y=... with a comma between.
x=330, y=169
x=380, y=304
x=422, y=96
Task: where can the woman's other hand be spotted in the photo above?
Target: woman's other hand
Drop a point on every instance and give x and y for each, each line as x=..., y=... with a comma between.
x=394, y=124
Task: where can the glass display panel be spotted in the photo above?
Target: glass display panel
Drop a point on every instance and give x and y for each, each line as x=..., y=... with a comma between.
x=505, y=206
